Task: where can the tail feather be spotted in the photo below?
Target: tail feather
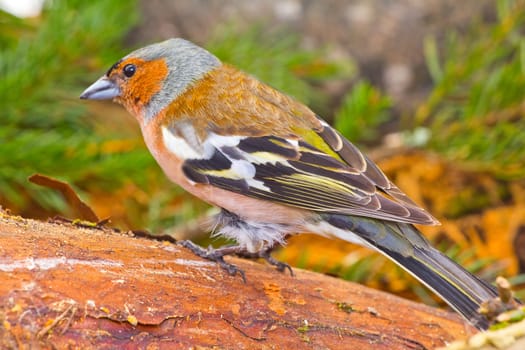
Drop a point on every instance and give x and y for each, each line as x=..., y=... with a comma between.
x=405, y=245
x=460, y=289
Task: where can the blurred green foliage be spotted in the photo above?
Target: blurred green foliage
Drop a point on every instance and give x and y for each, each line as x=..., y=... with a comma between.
x=362, y=110
x=476, y=109
x=43, y=129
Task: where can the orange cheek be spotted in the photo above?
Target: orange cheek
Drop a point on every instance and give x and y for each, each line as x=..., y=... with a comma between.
x=146, y=82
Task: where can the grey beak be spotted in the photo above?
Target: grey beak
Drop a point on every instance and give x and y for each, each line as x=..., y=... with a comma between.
x=102, y=89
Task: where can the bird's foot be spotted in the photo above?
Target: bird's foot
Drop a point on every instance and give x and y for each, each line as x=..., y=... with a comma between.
x=217, y=255
x=265, y=254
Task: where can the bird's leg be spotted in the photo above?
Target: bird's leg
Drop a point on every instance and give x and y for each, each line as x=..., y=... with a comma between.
x=266, y=255
x=217, y=255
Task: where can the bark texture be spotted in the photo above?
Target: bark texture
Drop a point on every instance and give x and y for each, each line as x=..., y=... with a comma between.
x=68, y=287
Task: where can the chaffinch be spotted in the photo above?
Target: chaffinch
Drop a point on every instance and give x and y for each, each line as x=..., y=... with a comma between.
x=273, y=166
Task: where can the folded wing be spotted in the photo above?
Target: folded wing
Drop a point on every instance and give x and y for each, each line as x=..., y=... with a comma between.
x=333, y=178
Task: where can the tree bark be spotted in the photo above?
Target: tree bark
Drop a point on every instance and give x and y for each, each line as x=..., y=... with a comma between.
x=63, y=286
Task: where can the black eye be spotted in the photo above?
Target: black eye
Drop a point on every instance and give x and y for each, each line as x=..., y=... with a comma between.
x=129, y=70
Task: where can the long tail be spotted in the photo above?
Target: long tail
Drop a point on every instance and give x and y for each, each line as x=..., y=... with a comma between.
x=405, y=245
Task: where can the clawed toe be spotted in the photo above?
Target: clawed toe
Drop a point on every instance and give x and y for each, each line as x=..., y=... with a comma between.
x=265, y=254
x=217, y=256
x=281, y=266
x=231, y=268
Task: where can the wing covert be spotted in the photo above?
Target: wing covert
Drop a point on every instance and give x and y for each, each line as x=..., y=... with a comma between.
x=295, y=173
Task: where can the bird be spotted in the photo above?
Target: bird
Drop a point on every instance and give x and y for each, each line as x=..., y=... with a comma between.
x=274, y=167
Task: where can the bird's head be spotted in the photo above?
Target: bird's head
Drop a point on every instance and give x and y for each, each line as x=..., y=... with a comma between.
x=149, y=79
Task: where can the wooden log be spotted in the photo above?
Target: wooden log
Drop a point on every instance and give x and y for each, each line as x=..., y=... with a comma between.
x=62, y=286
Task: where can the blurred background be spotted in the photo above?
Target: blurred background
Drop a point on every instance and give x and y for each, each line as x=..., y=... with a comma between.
x=432, y=90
